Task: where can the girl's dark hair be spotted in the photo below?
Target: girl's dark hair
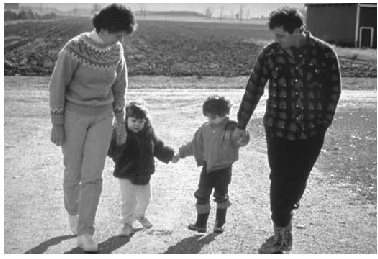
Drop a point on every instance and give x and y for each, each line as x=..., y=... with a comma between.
x=115, y=18
x=136, y=110
x=216, y=105
x=286, y=17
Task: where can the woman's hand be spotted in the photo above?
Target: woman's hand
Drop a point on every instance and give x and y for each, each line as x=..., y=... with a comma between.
x=121, y=133
x=57, y=134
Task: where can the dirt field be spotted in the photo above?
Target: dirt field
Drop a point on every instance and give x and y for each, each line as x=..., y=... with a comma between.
x=162, y=48
x=337, y=215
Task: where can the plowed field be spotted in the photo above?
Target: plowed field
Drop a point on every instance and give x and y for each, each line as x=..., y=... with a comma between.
x=163, y=48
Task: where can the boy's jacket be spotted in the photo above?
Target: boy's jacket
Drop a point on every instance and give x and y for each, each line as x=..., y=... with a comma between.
x=215, y=145
x=134, y=160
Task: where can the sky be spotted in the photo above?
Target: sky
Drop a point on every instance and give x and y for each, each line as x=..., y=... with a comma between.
x=255, y=9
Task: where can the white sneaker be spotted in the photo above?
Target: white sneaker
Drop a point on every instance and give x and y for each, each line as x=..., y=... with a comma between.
x=86, y=243
x=73, y=221
x=127, y=230
x=145, y=222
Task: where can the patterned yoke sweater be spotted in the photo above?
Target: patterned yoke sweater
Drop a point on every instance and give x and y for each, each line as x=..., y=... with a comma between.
x=89, y=78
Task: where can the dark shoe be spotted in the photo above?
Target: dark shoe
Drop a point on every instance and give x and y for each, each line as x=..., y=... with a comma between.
x=283, y=238
x=194, y=227
x=220, y=220
x=218, y=229
x=280, y=242
x=201, y=223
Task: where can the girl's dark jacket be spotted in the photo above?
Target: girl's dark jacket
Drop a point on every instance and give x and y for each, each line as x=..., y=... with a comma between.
x=134, y=160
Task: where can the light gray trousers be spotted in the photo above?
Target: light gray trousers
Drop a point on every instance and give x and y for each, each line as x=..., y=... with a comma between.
x=85, y=148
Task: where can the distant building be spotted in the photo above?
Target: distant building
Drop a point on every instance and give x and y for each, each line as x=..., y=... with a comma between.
x=353, y=25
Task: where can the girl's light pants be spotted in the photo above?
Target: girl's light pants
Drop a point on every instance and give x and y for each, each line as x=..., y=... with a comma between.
x=85, y=148
x=135, y=200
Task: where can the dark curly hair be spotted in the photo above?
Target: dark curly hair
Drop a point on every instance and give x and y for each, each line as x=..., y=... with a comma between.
x=216, y=105
x=115, y=18
x=287, y=17
x=136, y=110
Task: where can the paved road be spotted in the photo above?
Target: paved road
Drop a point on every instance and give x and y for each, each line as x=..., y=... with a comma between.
x=35, y=220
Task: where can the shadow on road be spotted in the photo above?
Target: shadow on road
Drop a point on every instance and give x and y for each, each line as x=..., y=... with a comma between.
x=106, y=247
x=41, y=248
x=191, y=245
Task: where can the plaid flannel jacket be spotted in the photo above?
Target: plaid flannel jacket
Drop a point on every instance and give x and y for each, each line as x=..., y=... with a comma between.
x=304, y=89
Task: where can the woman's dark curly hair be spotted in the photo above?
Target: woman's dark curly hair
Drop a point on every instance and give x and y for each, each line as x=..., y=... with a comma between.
x=115, y=18
x=216, y=105
x=286, y=17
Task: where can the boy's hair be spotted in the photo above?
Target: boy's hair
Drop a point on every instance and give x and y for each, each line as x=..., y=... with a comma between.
x=136, y=110
x=286, y=17
x=216, y=105
x=115, y=18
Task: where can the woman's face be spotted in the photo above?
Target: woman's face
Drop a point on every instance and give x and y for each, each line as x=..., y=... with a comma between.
x=111, y=37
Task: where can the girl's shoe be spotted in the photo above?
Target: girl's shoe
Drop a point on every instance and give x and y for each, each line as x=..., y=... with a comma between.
x=127, y=230
x=145, y=222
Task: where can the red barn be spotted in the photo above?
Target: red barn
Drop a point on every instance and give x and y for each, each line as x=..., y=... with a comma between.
x=352, y=25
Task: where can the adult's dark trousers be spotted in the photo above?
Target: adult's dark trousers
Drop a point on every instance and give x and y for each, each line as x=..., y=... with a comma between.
x=290, y=162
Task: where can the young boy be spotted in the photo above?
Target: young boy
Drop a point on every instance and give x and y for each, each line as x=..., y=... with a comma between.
x=134, y=165
x=215, y=148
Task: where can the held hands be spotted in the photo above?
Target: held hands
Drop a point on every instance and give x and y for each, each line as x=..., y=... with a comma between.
x=57, y=134
x=175, y=159
x=242, y=136
x=121, y=133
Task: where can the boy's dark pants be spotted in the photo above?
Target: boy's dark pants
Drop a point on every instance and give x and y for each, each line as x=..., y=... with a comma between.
x=291, y=163
x=219, y=180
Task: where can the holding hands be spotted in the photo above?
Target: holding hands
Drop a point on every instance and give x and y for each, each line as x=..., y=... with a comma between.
x=121, y=133
x=176, y=158
x=242, y=136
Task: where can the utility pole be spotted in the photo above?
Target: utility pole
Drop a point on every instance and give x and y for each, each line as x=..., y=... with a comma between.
x=221, y=13
x=241, y=13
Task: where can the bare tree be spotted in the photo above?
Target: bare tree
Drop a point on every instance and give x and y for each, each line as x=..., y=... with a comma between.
x=221, y=13
x=241, y=12
x=143, y=10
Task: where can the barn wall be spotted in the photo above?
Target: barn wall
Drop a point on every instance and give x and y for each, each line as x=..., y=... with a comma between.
x=333, y=23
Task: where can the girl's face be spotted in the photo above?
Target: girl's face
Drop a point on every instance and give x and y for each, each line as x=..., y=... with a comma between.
x=135, y=125
x=112, y=37
x=215, y=119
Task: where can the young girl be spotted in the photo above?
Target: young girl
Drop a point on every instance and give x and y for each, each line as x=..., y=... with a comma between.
x=134, y=165
x=215, y=148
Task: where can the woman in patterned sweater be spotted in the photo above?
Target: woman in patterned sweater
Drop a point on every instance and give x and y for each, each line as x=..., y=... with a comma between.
x=88, y=85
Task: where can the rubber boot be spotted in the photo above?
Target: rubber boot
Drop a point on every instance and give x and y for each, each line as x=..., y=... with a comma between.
x=220, y=220
x=201, y=224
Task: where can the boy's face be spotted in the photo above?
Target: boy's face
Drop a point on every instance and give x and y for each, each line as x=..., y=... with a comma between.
x=215, y=119
x=135, y=125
